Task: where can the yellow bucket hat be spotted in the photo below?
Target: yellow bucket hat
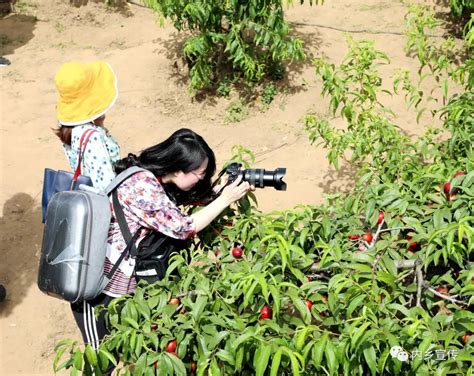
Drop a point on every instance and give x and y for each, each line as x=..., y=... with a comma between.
x=86, y=91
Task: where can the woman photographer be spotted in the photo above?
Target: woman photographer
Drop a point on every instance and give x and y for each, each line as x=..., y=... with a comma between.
x=178, y=172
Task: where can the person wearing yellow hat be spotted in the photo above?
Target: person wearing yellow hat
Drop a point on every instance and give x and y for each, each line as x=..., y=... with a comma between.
x=86, y=91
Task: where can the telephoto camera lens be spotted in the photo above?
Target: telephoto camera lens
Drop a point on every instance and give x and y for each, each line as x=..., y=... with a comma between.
x=261, y=178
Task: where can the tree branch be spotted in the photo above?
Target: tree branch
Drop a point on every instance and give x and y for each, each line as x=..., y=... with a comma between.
x=188, y=294
x=442, y=296
x=376, y=263
x=376, y=235
x=315, y=268
x=419, y=283
x=408, y=303
x=407, y=264
x=396, y=228
x=320, y=276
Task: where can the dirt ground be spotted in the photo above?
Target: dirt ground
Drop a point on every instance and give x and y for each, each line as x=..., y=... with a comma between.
x=153, y=102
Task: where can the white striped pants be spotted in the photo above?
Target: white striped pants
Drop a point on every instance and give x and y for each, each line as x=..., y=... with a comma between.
x=92, y=328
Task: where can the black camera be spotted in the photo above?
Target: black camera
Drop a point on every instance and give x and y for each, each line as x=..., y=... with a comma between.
x=259, y=177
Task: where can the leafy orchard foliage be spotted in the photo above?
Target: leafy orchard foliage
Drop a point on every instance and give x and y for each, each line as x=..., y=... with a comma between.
x=375, y=142
x=459, y=6
x=358, y=310
x=322, y=290
x=439, y=59
x=252, y=37
x=353, y=90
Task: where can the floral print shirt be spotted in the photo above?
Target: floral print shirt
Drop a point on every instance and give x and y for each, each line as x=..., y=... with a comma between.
x=146, y=206
x=100, y=153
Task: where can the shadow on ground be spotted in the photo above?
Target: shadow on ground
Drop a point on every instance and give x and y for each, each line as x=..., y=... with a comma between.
x=312, y=43
x=16, y=30
x=454, y=23
x=341, y=180
x=21, y=233
x=120, y=6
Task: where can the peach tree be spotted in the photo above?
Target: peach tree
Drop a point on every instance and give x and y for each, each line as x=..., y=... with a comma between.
x=378, y=281
x=252, y=38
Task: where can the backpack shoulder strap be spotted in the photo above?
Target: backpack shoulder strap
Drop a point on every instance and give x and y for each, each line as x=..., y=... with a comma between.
x=120, y=178
x=129, y=239
x=82, y=148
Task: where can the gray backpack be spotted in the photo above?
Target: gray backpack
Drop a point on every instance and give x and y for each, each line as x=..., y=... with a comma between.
x=74, y=246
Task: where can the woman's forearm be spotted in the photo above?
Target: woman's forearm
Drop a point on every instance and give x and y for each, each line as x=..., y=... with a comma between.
x=207, y=214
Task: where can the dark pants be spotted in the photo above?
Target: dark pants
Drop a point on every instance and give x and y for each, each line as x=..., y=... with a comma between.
x=92, y=328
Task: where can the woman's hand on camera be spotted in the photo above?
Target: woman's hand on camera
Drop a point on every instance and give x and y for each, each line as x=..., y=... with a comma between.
x=236, y=190
x=231, y=193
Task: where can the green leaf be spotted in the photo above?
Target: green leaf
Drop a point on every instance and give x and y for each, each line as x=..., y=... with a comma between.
x=105, y=353
x=249, y=293
x=387, y=278
x=302, y=309
x=226, y=356
x=331, y=358
x=301, y=337
x=355, y=302
x=400, y=308
x=318, y=350
x=132, y=322
x=423, y=347
x=276, y=363
x=303, y=236
x=243, y=337
x=143, y=309
x=370, y=358
x=77, y=360
x=177, y=365
x=276, y=298
x=263, y=286
x=369, y=210
x=65, y=343
x=57, y=358
x=295, y=366
x=239, y=358
x=438, y=219
x=91, y=355
x=357, y=335
x=383, y=360
x=260, y=360
x=153, y=337
x=139, y=344
x=198, y=307
x=214, y=341
x=214, y=369
x=361, y=267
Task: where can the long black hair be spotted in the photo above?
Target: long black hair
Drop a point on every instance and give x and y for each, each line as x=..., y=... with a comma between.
x=184, y=151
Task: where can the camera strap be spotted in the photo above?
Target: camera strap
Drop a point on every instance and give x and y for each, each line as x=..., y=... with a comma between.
x=217, y=180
